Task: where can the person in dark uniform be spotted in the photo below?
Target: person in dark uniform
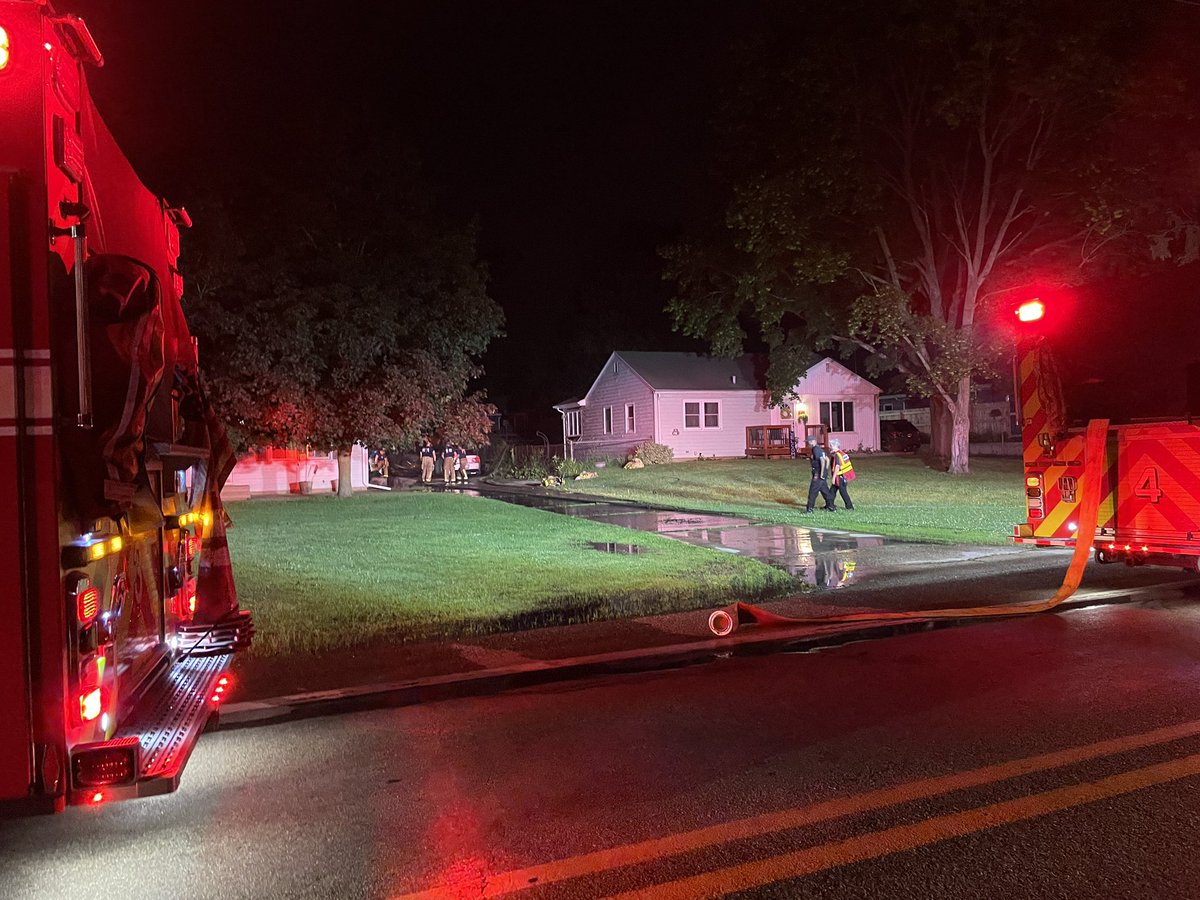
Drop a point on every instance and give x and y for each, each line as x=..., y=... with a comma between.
x=449, y=454
x=428, y=460
x=462, y=463
x=821, y=466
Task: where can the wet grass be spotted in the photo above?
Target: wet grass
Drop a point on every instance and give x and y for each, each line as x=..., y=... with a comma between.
x=900, y=496
x=322, y=573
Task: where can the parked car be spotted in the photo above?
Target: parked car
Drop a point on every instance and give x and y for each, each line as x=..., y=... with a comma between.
x=899, y=436
x=472, y=464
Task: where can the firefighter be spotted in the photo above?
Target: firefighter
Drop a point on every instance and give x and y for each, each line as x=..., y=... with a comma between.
x=462, y=463
x=449, y=455
x=428, y=455
x=379, y=464
x=843, y=474
x=821, y=470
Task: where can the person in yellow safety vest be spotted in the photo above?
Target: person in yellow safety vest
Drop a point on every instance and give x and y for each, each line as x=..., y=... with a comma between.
x=843, y=473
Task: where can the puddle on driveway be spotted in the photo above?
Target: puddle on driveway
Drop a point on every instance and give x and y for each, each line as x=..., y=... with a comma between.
x=824, y=559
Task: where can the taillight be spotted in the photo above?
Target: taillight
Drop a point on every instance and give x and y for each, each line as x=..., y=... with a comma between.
x=1033, y=496
x=92, y=696
x=105, y=763
x=91, y=705
x=186, y=604
x=5, y=49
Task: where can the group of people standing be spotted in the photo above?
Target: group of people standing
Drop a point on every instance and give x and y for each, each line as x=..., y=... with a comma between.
x=832, y=471
x=453, y=462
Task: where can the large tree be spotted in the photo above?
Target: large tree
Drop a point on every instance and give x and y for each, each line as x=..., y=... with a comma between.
x=351, y=312
x=901, y=172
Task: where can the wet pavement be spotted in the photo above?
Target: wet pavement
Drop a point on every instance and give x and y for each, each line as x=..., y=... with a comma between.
x=825, y=558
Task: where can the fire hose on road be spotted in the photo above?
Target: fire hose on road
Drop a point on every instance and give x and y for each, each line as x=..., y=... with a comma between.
x=723, y=622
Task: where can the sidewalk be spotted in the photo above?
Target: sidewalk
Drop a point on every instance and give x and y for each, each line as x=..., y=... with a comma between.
x=277, y=689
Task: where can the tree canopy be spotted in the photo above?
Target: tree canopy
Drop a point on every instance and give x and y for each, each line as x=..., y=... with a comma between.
x=900, y=173
x=341, y=309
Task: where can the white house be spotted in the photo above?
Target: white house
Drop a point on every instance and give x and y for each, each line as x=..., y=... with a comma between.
x=702, y=405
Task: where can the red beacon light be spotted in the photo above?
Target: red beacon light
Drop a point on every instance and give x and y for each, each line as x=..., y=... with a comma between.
x=1031, y=311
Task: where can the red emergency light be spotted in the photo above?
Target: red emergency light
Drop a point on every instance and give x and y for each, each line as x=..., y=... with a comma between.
x=5, y=49
x=87, y=604
x=105, y=763
x=91, y=705
x=1031, y=311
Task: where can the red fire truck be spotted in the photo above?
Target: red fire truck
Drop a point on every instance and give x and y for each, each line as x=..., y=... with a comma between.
x=118, y=615
x=1149, y=475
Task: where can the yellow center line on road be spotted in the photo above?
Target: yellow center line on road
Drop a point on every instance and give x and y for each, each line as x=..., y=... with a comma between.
x=919, y=834
x=726, y=832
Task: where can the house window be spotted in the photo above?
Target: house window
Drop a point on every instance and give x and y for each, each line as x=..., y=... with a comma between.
x=608, y=420
x=838, y=415
x=702, y=414
x=572, y=423
x=712, y=415
x=630, y=421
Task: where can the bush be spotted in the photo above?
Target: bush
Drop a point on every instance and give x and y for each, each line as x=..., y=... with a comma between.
x=568, y=468
x=652, y=454
x=522, y=464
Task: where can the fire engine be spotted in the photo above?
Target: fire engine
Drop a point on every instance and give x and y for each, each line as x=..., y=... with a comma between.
x=118, y=615
x=1148, y=472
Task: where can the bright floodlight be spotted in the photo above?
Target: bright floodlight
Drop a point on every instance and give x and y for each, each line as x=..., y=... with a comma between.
x=1031, y=311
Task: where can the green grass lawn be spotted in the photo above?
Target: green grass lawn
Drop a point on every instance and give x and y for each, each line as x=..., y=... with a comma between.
x=893, y=495
x=321, y=573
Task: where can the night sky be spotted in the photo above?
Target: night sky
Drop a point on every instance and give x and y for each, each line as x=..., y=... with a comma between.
x=577, y=135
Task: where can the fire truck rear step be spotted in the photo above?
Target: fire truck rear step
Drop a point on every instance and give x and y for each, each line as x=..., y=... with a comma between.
x=166, y=727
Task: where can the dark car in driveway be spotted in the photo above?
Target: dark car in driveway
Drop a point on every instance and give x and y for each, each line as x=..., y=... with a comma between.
x=899, y=436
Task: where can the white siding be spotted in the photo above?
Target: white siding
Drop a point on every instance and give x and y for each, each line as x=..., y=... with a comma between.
x=616, y=387
x=738, y=409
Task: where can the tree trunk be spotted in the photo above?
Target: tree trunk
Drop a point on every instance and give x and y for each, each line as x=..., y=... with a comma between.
x=941, y=427
x=345, y=487
x=960, y=443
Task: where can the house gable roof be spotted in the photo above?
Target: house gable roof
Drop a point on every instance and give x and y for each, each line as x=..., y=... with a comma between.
x=671, y=371
x=832, y=366
x=693, y=372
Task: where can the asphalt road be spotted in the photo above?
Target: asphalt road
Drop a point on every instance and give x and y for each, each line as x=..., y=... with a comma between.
x=1054, y=756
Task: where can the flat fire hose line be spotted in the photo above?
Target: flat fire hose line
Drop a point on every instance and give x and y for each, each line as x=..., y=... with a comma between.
x=723, y=622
